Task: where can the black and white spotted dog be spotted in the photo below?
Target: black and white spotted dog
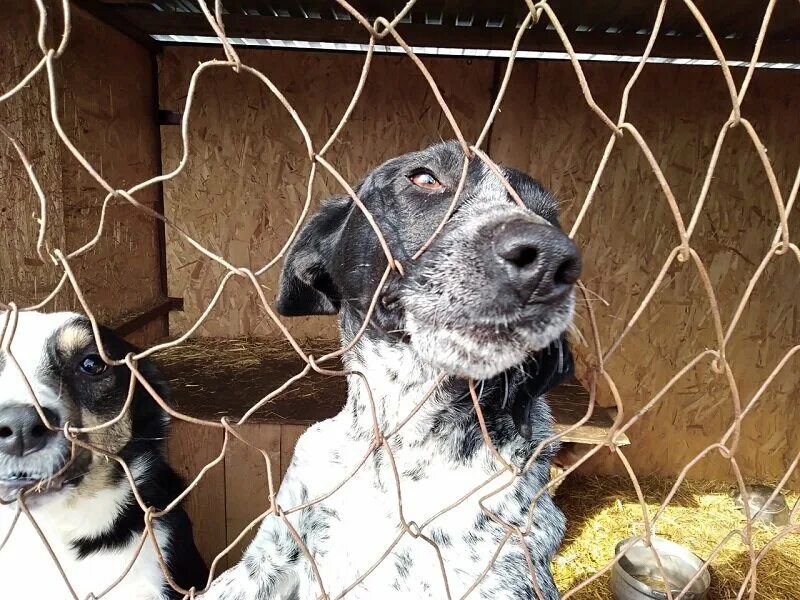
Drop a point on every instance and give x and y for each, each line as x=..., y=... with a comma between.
x=491, y=300
x=86, y=510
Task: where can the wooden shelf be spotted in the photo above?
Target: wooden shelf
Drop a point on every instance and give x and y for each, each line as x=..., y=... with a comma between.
x=215, y=378
x=570, y=403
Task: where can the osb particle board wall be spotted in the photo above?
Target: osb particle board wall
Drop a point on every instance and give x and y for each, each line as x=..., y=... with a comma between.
x=109, y=106
x=106, y=103
x=245, y=182
x=629, y=232
x=23, y=277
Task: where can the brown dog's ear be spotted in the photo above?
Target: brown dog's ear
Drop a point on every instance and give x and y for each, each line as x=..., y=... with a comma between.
x=548, y=368
x=307, y=286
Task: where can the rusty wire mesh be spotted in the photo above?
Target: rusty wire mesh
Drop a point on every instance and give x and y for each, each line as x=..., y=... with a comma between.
x=684, y=252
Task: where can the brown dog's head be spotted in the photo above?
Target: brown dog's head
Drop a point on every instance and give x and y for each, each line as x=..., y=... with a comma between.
x=55, y=358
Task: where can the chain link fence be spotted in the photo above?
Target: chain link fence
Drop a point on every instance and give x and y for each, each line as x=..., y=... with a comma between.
x=781, y=248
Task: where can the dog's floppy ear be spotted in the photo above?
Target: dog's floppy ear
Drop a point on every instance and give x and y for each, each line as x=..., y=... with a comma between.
x=307, y=287
x=547, y=369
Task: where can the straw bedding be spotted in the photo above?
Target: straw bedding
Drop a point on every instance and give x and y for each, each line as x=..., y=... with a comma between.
x=601, y=511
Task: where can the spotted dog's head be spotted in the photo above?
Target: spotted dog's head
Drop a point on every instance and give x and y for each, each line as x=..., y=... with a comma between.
x=59, y=359
x=494, y=289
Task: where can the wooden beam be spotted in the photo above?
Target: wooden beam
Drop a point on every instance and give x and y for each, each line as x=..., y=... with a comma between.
x=161, y=225
x=450, y=36
x=138, y=321
x=169, y=117
x=569, y=403
x=111, y=17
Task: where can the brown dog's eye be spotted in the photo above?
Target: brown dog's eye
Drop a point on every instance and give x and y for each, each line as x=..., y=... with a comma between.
x=425, y=180
x=93, y=365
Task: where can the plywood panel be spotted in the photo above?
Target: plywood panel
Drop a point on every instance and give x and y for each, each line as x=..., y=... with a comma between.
x=107, y=97
x=190, y=448
x=246, y=178
x=546, y=128
x=246, y=489
x=24, y=278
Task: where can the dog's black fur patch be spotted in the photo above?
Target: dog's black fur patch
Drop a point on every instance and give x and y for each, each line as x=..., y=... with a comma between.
x=159, y=484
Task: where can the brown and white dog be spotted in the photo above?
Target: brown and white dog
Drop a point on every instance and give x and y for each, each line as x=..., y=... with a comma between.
x=84, y=504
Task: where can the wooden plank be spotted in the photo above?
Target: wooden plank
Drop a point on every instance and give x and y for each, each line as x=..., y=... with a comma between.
x=246, y=490
x=142, y=319
x=148, y=335
x=289, y=436
x=569, y=403
x=450, y=36
x=200, y=372
x=191, y=447
x=169, y=117
x=161, y=226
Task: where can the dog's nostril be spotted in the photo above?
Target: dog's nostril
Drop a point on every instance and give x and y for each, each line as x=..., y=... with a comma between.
x=567, y=273
x=519, y=252
x=523, y=256
x=6, y=432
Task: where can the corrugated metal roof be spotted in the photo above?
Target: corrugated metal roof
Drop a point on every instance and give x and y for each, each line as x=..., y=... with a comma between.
x=596, y=26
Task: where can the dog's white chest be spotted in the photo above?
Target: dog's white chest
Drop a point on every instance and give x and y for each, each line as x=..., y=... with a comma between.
x=28, y=571
x=365, y=513
x=438, y=516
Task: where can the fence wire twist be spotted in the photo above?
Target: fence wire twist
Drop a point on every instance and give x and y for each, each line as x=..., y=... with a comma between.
x=383, y=28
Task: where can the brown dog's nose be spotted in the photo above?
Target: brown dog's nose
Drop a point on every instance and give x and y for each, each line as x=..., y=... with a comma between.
x=539, y=261
x=22, y=431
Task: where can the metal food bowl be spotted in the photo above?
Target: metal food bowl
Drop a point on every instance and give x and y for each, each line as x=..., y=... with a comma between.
x=636, y=576
x=776, y=513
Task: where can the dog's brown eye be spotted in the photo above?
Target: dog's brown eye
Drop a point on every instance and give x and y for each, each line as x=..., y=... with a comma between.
x=93, y=365
x=425, y=180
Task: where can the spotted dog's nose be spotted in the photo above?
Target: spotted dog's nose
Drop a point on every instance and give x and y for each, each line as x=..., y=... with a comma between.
x=539, y=262
x=22, y=432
